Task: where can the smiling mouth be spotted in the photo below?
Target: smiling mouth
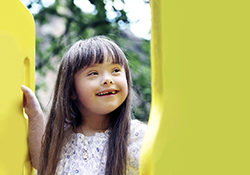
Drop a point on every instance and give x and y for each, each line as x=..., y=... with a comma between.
x=107, y=93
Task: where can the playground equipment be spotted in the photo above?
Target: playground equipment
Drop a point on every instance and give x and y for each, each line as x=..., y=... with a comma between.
x=199, y=121
x=17, y=53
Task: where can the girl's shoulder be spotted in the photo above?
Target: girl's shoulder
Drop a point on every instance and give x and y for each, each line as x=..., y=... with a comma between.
x=137, y=124
x=137, y=130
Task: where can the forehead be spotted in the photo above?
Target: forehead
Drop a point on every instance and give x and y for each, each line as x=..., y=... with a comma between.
x=85, y=54
x=105, y=63
x=105, y=54
x=105, y=57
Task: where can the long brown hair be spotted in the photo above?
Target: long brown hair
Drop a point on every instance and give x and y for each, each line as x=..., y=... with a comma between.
x=65, y=116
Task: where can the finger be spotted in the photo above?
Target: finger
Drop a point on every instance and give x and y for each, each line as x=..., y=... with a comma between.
x=28, y=97
x=27, y=92
x=24, y=101
x=24, y=89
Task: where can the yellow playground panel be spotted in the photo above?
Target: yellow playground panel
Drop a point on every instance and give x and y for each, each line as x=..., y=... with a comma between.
x=199, y=121
x=17, y=52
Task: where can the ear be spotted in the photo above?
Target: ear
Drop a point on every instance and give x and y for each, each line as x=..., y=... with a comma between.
x=73, y=95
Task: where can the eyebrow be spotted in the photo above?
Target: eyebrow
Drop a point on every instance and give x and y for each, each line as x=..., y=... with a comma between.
x=95, y=64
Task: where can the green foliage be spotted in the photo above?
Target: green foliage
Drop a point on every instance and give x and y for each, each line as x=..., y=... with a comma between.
x=79, y=25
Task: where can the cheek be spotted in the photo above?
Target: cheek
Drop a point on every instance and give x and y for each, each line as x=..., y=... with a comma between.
x=81, y=91
x=125, y=91
x=125, y=85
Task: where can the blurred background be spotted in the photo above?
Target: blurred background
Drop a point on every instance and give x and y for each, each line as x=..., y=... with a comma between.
x=60, y=23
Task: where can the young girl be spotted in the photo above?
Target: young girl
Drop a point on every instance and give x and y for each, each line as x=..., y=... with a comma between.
x=89, y=130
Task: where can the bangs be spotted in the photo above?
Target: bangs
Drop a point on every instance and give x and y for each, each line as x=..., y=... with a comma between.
x=96, y=50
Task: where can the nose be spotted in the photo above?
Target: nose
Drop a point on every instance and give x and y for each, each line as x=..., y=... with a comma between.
x=107, y=81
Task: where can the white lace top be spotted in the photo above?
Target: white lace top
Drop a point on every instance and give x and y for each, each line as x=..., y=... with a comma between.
x=73, y=153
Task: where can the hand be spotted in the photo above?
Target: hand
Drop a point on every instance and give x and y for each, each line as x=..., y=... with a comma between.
x=30, y=103
x=36, y=124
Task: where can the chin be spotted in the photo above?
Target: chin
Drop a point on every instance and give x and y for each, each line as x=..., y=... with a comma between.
x=109, y=110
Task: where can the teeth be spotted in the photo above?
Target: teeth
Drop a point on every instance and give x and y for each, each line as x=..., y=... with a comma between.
x=106, y=93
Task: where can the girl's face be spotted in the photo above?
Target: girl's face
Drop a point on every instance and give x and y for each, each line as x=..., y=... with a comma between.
x=100, y=88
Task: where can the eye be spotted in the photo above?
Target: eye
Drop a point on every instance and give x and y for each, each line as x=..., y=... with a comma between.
x=92, y=73
x=116, y=70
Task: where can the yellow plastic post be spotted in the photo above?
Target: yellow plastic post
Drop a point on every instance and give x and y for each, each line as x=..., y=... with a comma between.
x=17, y=52
x=199, y=121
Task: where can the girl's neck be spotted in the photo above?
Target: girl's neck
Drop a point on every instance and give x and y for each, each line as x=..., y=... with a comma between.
x=92, y=124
